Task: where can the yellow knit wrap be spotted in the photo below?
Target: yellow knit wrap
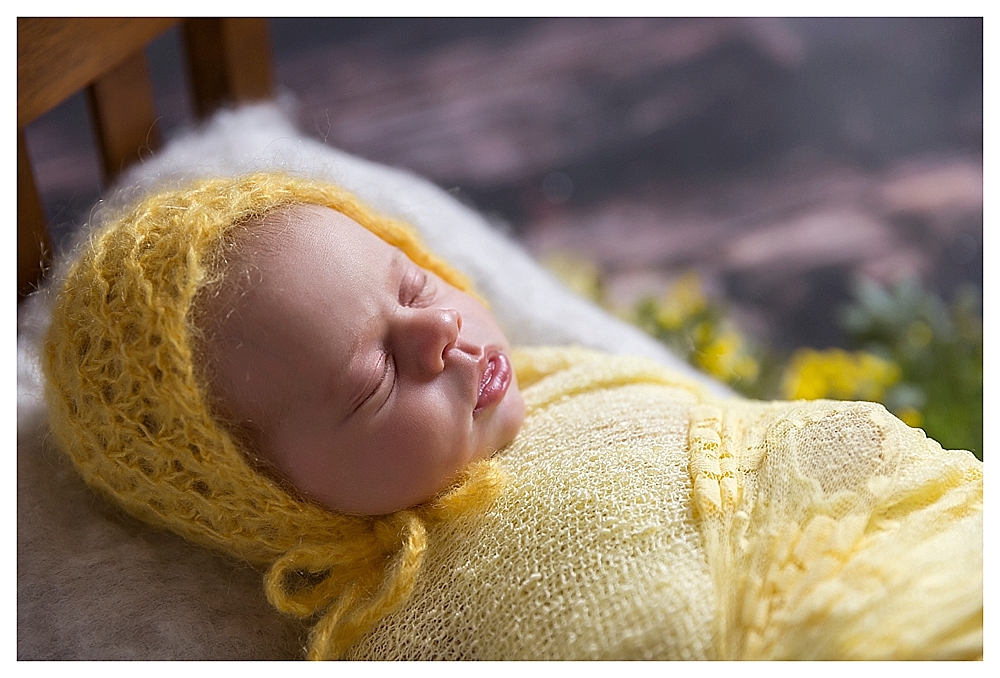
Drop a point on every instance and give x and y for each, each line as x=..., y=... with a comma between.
x=643, y=519
x=129, y=406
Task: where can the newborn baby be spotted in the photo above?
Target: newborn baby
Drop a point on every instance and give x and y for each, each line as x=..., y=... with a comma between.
x=268, y=368
x=367, y=381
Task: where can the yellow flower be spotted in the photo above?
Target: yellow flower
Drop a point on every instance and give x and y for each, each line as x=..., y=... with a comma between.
x=725, y=358
x=746, y=368
x=910, y=416
x=685, y=299
x=837, y=374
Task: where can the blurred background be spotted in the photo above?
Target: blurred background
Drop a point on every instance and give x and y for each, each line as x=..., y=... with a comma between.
x=795, y=205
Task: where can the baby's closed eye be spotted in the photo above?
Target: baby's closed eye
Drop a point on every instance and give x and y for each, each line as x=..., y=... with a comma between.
x=381, y=383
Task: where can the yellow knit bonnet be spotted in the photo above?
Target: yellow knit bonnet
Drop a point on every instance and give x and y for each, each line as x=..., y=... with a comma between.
x=129, y=405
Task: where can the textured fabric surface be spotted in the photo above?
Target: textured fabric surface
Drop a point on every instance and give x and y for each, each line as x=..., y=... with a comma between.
x=644, y=519
x=835, y=531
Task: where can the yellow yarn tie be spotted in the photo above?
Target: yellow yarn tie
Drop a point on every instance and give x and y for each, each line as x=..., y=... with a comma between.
x=355, y=608
x=356, y=595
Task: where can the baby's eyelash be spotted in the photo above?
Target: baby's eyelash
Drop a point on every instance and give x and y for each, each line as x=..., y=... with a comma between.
x=386, y=376
x=377, y=387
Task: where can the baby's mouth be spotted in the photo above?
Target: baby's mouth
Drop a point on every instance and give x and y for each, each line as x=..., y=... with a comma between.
x=494, y=382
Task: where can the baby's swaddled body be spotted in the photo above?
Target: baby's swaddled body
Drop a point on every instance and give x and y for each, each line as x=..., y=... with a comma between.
x=642, y=519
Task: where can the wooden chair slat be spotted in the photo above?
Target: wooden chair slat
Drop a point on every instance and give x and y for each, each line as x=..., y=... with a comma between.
x=248, y=58
x=124, y=114
x=229, y=61
x=59, y=56
x=33, y=245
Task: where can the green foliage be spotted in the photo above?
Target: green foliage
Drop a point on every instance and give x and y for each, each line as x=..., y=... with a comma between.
x=939, y=350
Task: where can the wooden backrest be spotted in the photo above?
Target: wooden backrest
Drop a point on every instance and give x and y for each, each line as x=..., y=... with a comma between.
x=228, y=62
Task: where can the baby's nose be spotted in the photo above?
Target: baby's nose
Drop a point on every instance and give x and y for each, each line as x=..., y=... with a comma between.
x=429, y=334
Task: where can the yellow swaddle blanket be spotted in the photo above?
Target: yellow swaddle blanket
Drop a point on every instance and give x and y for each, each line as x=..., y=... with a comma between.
x=644, y=519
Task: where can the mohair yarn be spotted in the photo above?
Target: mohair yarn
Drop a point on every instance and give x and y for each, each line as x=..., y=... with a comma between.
x=128, y=404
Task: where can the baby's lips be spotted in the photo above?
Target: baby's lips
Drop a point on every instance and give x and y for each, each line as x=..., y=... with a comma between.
x=495, y=380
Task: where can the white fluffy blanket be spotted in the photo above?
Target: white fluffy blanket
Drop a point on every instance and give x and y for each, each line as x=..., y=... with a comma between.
x=93, y=584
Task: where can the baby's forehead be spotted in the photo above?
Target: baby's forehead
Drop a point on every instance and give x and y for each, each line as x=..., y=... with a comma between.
x=277, y=227
x=308, y=255
x=299, y=211
x=294, y=226
x=279, y=242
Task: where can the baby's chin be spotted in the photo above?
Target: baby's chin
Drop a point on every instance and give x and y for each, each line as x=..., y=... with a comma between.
x=505, y=424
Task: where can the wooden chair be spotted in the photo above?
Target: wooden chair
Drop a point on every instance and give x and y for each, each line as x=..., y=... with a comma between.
x=228, y=62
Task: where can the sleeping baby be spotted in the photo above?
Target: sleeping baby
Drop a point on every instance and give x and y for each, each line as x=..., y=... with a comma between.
x=269, y=368
x=365, y=380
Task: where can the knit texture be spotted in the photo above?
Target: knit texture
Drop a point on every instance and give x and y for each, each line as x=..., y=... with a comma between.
x=835, y=531
x=128, y=404
x=643, y=519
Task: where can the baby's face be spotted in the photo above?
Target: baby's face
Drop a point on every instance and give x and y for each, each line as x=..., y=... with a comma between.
x=367, y=382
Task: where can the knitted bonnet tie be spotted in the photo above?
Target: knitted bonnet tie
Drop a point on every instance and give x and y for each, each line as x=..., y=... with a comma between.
x=130, y=408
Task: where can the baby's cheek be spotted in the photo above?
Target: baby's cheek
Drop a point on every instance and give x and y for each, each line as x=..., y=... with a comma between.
x=513, y=415
x=425, y=437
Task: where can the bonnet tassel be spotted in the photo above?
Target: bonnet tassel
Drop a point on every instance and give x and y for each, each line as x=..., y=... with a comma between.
x=351, y=591
x=354, y=583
